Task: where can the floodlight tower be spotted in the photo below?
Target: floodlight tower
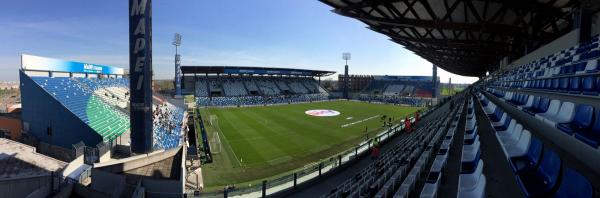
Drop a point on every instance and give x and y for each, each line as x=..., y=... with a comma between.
x=346, y=56
x=177, y=43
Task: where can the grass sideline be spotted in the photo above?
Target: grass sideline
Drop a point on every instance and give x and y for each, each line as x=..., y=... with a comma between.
x=260, y=142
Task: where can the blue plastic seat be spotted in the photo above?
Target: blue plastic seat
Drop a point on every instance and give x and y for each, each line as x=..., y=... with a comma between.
x=581, y=121
x=592, y=135
x=548, y=83
x=563, y=85
x=580, y=67
x=555, y=83
x=574, y=85
x=541, y=107
x=530, y=159
x=589, y=85
x=574, y=185
x=539, y=182
x=497, y=115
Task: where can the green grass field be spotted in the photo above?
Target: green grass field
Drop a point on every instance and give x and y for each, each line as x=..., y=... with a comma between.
x=261, y=142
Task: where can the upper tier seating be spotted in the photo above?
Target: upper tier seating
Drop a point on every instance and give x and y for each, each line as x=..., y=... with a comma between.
x=88, y=100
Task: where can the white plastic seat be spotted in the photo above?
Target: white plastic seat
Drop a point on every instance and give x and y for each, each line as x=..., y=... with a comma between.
x=564, y=115
x=528, y=104
x=511, y=135
x=552, y=110
x=490, y=108
x=510, y=127
x=520, y=147
x=470, y=151
x=470, y=123
x=472, y=185
x=591, y=65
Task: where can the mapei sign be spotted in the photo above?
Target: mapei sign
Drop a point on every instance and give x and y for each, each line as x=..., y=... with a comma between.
x=140, y=38
x=38, y=63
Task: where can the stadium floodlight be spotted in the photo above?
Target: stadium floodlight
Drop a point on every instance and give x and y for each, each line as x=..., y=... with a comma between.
x=346, y=56
x=177, y=39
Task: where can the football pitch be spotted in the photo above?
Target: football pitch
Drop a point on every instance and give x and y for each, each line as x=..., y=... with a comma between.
x=261, y=142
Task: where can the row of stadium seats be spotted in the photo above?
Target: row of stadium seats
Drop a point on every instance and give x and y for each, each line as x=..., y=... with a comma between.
x=259, y=100
x=574, y=71
x=94, y=102
x=393, y=99
x=79, y=97
x=398, y=88
x=539, y=171
x=211, y=86
x=396, y=173
x=582, y=121
x=168, y=126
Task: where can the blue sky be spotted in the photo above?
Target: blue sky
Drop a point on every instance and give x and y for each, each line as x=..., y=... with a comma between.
x=274, y=33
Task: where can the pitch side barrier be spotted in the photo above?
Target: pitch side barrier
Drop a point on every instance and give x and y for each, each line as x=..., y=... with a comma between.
x=312, y=173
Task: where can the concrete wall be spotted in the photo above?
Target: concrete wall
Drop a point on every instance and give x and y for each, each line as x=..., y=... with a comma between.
x=73, y=165
x=568, y=40
x=107, y=182
x=162, y=188
x=121, y=165
x=23, y=187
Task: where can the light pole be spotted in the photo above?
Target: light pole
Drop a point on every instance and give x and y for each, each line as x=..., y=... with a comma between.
x=177, y=43
x=346, y=56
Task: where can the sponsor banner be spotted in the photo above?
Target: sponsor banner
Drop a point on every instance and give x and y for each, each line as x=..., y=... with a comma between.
x=268, y=71
x=322, y=112
x=140, y=75
x=38, y=63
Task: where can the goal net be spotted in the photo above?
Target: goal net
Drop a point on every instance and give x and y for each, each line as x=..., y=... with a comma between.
x=215, y=140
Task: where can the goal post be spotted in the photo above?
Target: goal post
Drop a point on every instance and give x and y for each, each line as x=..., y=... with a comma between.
x=215, y=140
x=215, y=144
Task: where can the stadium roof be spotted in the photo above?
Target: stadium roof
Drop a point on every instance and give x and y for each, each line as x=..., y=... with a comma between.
x=465, y=37
x=252, y=70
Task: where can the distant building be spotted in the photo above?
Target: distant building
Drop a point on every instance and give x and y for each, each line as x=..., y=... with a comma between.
x=356, y=83
x=10, y=127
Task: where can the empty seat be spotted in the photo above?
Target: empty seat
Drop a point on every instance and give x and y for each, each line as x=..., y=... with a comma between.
x=540, y=107
x=592, y=66
x=497, y=115
x=470, y=156
x=565, y=114
x=591, y=136
x=472, y=185
x=589, y=86
x=581, y=121
x=574, y=185
x=511, y=135
x=540, y=181
x=520, y=147
x=575, y=85
x=530, y=159
x=563, y=85
x=552, y=110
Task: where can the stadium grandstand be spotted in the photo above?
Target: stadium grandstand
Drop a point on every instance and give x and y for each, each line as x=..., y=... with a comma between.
x=528, y=127
x=242, y=86
x=90, y=99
